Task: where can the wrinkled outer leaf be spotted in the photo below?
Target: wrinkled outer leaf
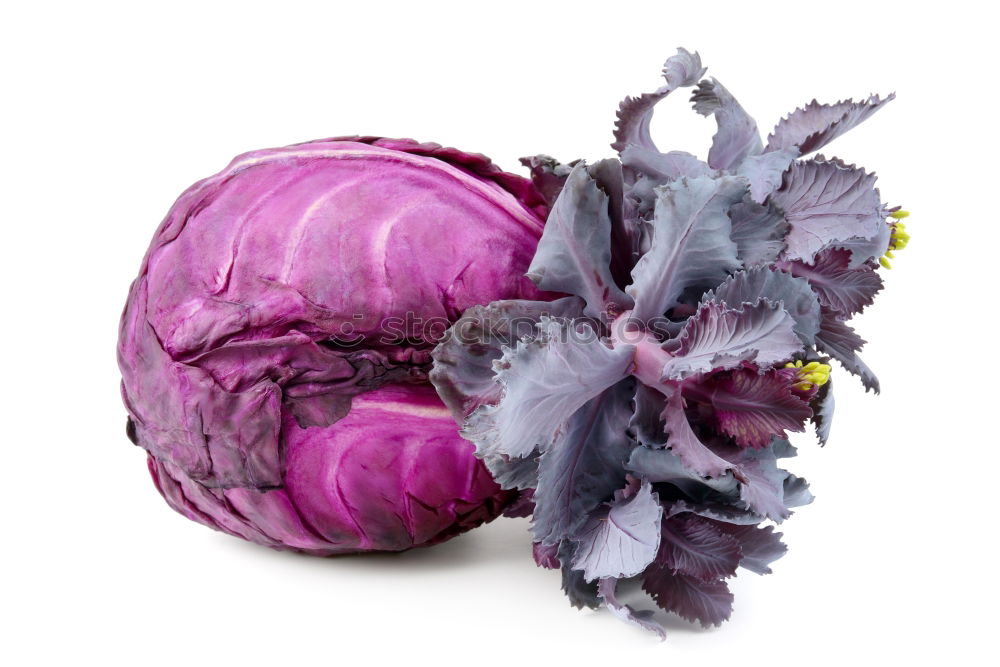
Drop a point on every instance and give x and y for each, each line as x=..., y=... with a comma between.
x=718, y=338
x=709, y=603
x=759, y=231
x=693, y=545
x=841, y=342
x=463, y=361
x=621, y=540
x=840, y=288
x=794, y=294
x=737, y=137
x=544, y=382
x=574, y=255
x=642, y=618
x=585, y=466
x=811, y=127
x=825, y=202
x=691, y=243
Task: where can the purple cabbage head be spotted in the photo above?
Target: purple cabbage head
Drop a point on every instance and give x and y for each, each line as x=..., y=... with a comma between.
x=275, y=346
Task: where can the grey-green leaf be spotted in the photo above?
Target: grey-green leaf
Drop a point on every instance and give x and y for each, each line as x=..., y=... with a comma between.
x=691, y=244
x=737, y=137
x=463, y=371
x=813, y=126
x=585, y=466
x=795, y=295
x=826, y=202
x=622, y=539
x=759, y=231
x=544, y=381
x=574, y=254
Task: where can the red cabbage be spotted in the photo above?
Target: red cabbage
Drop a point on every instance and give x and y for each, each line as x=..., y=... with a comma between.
x=275, y=346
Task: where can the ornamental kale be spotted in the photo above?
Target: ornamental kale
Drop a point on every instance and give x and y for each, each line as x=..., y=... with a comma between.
x=647, y=410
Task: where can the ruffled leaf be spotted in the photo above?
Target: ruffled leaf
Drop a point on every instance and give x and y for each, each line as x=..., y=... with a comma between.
x=751, y=407
x=763, y=493
x=620, y=540
x=837, y=339
x=691, y=244
x=574, y=254
x=544, y=382
x=692, y=545
x=864, y=250
x=585, y=466
x=794, y=294
x=665, y=167
x=683, y=69
x=581, y=593
x=650, y=169
x=796, y=491
x=663, y=465
x=769, y=490
x=823, y=412
x=548, y=175
x=463, y=371
x=647, y=417
x=635, y=113
x=826, y=202
x=546, y=556
x=628, y=234
x=685, y=444
x=737, y=137
x=719, y=338
x=840, y=288
x=633, y=119
x=759, y=546
x=813, y=126
x=763, y=172
x=642, y=618
x=709, y=603
x=759, y=231
x=734, y=514
x=522, y=506
x=513, y=473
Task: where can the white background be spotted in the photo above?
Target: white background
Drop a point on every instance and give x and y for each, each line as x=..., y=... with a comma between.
x=110, y=110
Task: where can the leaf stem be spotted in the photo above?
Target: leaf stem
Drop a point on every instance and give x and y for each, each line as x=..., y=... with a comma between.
x=649, y=358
